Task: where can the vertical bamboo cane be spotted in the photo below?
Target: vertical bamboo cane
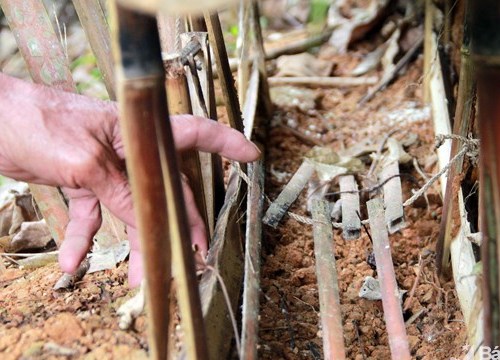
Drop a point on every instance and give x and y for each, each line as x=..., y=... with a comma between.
x=464, y=113
x=93, y=19
x=145, y=117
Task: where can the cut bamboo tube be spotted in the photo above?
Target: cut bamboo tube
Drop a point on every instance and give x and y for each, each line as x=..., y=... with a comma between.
x=317, y=81
x=40, y=47
x=328, y=287
x=251, y=293
x=278, y=208
x=153, y=171
x=391, y=301
x=462, y=126
x=393, y=197
x=351, y=223
x=93, y=19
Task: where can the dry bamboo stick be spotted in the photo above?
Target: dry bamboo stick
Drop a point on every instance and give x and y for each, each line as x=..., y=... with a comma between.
x=429, y=53
x=328, y=287
x=251, y=293
x=393, y=197
x=391, y=301
x=323, y=81
x=211, y=164
x=179, y=103
x=93, y=19
x=278, y=208
x=462, y=126
x=351, y=223
x=226, y=78
x=153, y=171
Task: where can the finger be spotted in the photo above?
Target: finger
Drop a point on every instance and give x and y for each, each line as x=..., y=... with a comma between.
x=195, y=221
x=194, y=132
x=135, y=266
x=85, y=220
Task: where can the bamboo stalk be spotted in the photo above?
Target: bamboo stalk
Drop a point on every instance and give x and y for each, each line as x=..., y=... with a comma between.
x=179, y=103
x=462, y=126
x=391, y=301
x=153, y=172
x=323, y=81
x=251, y=293
x=328, y=287
x=226, y=78
x=243, y=49
x=429, y=53
x=211, y=164
x=93, y=19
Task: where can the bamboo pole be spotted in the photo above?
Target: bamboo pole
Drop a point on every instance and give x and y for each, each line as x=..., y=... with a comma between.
x=153, y=172
x=391, y=301
x=462, y=126
x=428, y=50
x=178, y=104
x=323, y=81
x=93, y=19
x=226, y=78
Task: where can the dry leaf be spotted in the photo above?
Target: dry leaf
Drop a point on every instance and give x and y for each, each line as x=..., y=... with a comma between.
x=67, y=281
x=32, y=235
x=108, y=258
x=370, y=61
x=293, y=97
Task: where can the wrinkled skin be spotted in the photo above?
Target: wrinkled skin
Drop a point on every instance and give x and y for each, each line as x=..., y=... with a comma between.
x=61, y=139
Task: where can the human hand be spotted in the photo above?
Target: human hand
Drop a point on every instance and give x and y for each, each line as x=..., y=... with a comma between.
x=62, y=139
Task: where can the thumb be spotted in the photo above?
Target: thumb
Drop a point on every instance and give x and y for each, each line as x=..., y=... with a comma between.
x=85, y=220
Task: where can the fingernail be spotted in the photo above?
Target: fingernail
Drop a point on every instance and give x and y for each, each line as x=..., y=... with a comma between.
x=256, y=148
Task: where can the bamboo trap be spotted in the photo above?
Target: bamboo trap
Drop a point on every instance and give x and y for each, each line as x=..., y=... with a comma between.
x=391, y=301
x=47, y=64
x=328, y=287
x=153, y=170
x=460, y=249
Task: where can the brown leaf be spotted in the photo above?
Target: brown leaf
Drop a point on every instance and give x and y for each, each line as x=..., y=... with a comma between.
x=33, y=235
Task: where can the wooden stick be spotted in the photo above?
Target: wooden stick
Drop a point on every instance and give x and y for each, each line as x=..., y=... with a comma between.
x=320, y=81
x=251, y=292
x=391, y=302
x=328, y=287
x=351, y=223
x=93, y=19
x=462, y=126
x=278, y=208
x=429, y=53
x=154, y=176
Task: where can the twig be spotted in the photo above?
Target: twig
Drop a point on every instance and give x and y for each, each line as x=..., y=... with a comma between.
x=308, y=140
x=378, y=154
x=360, y=340
x=323, y=81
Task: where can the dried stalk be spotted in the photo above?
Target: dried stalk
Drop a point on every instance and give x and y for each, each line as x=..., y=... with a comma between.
x=391, y=302
x=155, y=182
